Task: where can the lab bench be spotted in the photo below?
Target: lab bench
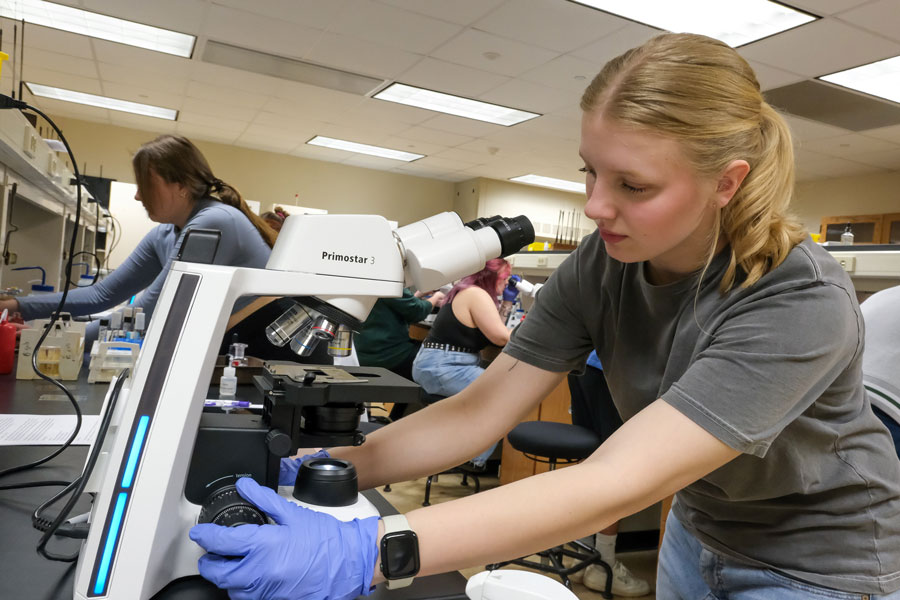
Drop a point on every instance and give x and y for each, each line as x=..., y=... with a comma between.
x=26, y=574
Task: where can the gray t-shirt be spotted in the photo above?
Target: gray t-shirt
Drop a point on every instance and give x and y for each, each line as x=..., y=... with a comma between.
x=773, y=371
x=146, y=268
x=881, y=361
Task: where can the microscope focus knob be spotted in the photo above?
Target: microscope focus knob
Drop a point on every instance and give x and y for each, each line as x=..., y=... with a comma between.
x=278, y=443
x=226, y=507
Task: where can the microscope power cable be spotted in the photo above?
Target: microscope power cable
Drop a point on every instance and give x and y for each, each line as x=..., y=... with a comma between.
x=76, y=488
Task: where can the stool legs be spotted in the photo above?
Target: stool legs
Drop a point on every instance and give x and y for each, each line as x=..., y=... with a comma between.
x=585, y=554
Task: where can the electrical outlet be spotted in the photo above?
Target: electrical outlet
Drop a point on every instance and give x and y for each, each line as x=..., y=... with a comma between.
x=53, y=167
x=11, y=258
x=30, y=144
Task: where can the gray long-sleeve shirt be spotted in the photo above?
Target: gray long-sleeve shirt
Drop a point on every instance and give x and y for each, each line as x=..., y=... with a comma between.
x=146, y=267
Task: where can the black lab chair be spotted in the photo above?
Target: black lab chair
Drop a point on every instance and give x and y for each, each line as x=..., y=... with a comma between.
x=558, y=444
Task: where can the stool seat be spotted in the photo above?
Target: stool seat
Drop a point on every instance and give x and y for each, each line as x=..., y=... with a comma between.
x=554, y=440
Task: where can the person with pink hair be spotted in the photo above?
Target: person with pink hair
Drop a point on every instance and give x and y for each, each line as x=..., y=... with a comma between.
x=468, y=321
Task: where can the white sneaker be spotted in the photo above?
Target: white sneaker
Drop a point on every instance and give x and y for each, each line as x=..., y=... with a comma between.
x=577, y=576
x=624, y=582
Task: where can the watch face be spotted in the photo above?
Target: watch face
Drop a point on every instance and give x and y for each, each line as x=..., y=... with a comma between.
x=399, y=554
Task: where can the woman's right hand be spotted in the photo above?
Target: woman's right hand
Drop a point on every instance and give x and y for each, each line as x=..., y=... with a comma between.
x=10, y=304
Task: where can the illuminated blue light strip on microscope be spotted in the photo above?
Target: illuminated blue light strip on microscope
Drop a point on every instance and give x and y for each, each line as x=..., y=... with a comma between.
x=103, y=571
x=135, y=452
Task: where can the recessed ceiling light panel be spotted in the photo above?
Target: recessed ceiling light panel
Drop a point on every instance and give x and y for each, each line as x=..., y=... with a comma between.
x=735, y=22
x=880, y=79
x=95, y=25
x=551, y=182
x=328, y=142
x=147, y=110
x=453, y=105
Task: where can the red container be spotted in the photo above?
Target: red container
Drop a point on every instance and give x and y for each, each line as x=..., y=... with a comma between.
x=7, y=347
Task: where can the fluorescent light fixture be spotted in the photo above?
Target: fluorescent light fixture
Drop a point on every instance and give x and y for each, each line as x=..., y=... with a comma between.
x=95, y=25
x=45, y=91
x=735, y=22
x=328, y=142
x=551, y=182
x=880, y=79
x=453, y=105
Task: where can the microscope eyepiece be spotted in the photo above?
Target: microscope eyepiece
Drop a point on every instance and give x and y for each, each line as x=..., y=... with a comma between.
x=514, y=232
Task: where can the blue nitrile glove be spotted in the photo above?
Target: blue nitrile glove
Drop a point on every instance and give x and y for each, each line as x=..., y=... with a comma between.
x=308, y=555
x=287, y=472
x=511, y=292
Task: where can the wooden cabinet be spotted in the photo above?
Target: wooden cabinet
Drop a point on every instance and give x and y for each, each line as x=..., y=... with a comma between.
x=867, y=229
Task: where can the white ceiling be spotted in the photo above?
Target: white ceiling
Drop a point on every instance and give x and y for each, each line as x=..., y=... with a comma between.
x=535, y=55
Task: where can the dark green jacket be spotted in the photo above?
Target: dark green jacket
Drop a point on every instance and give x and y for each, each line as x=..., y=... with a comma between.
x=384, y=339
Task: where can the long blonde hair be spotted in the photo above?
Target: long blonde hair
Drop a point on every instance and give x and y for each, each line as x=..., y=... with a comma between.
x=701, y=93
x=177, y=160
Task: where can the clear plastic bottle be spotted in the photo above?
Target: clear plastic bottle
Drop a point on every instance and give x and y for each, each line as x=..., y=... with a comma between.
x=847, y=236
x=227, y=383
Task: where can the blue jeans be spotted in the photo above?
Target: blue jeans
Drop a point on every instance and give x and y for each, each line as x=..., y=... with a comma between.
x=447, y=373
x=689, y=571
x=892, y=425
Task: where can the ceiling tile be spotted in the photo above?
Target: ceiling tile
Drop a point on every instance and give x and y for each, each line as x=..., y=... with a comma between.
x=203, y=120
x=565, y=72
x=226, y=95
x=361, y=56
x=221, y=111
x=414, y=146
x=450, y=78
x=395, y=27
x=54, y=40
x=819, y=48
x=848, y=145
x=617, y=42
x=142, y=95
x=881, y=17
x=256, y=32
x=63, y=80
x=805, y=129
x=267, y=143
x=558, y=26
x=492, y=53
x=55, y=61
x=568, y=128
x=434, y=136
x=310, y=13
x=129, y=76
x=196, y=132
x=460, y=125
x=461, y=12
x=891, y=134
x=185, y=16
x=886, y=159
x=770, y=78
x=155, y=63
x=237, y=80
x=157, y=126
x=528, y=96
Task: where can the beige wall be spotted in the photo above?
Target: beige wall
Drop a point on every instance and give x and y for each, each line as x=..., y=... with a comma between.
x=857, y=195
x=272, y=178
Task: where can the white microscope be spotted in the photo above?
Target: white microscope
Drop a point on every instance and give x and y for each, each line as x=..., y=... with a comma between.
x=149, y=477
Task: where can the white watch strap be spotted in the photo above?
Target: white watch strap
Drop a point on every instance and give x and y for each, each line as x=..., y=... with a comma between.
x=391, y=524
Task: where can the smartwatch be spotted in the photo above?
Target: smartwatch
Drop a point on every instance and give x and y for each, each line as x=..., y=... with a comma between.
x=399, y=552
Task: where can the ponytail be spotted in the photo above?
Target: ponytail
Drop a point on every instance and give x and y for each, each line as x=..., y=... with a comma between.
x=226, y=194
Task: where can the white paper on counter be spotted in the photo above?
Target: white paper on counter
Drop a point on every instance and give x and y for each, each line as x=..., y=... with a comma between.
x=42, y=430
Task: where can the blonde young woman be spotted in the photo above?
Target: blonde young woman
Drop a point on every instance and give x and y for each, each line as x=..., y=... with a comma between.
x=732, y=346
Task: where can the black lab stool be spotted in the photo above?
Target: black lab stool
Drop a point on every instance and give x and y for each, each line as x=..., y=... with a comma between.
x=558, y=444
